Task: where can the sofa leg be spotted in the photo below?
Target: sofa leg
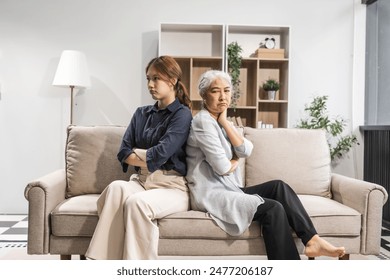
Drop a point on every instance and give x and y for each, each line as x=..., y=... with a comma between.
x=82, y=257
x=345, y=257
x=65, y=257
x=311, y=258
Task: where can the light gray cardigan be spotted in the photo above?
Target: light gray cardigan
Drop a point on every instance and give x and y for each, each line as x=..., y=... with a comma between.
x=208, y=158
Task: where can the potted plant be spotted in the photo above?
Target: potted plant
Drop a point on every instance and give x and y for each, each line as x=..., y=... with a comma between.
x=271, y=86
x=317, y=118
x=234, y=64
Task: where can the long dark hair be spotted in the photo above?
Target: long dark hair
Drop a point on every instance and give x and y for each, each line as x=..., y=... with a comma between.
x=170, y=70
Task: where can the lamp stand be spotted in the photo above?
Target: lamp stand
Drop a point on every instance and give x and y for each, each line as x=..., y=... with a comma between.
x=71, y=104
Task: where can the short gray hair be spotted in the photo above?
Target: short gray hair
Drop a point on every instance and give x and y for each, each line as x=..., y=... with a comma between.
x=209, y=77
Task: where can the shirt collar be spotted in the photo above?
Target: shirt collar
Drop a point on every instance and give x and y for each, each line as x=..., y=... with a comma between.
x=174, y=106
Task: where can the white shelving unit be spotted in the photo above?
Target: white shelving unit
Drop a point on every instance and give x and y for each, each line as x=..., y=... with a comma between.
x=200, y=47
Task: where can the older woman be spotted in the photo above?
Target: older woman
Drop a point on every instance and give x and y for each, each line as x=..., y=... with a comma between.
x=213, y=149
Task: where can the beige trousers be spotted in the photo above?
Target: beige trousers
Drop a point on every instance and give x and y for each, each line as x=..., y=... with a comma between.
x=128, y=212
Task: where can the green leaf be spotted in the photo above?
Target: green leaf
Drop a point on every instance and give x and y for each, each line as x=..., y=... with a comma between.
x=317, y=118
x=234, y=51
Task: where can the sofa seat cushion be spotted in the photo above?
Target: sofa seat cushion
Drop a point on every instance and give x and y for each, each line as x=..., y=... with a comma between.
x=198, y=225
x=329, y=217
x=75, y=216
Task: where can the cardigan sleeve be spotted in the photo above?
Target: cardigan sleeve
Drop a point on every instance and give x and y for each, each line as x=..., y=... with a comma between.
x=245, y=149
x=207, y=134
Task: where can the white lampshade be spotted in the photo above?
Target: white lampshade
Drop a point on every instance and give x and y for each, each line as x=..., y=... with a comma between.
x=72, y=70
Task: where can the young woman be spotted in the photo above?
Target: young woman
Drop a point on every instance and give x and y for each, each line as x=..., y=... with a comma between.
x=154, y=143
x=214, y=179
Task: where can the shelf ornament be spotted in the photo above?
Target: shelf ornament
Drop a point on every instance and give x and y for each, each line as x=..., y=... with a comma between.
x=271, y=86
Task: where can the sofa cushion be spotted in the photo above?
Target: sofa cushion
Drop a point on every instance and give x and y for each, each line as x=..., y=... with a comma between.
x=75, y=216
x=198, y=225
x=91, y=158
x=300, y=157
x=329, y=217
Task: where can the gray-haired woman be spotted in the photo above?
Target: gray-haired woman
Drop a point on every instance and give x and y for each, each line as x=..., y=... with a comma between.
x=213, y=149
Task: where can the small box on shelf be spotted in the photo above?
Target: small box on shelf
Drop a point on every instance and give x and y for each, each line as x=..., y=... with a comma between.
x=261, y=125
x=269, y=53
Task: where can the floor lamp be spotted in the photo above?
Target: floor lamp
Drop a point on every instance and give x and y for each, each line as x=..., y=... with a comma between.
x=72, y=72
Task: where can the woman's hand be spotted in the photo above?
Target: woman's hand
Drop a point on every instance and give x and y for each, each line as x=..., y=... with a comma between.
x=235, y=138
x=137, y=158
x=222, y=118
x=141, y=153
x=234, y=163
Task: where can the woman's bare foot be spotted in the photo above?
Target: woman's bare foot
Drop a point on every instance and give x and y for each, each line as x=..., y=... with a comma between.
x=320, y=247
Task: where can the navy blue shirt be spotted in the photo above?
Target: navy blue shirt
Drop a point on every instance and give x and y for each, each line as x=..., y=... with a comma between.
x=163, y=133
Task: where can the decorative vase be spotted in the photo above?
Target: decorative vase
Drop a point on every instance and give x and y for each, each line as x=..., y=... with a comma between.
x=271, y=94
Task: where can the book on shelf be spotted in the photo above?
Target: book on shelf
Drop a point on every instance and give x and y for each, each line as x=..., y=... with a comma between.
x=239, y=122
x=236, y=121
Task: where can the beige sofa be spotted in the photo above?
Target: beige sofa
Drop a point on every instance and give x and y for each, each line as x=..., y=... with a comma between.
x=62, y=205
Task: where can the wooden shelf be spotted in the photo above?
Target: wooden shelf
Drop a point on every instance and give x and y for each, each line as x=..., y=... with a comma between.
x=258, y=69
x=200, y=58
x=276, y=60
x=196, y=40
x=245, y=107
x=272, y=101
x=202, y=47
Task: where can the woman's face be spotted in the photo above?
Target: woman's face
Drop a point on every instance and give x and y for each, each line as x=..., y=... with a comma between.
x=160, y=89
x=218, y=97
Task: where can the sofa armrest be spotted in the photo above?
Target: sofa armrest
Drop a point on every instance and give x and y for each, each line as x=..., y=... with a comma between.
x=43, y=195
x=366, y=198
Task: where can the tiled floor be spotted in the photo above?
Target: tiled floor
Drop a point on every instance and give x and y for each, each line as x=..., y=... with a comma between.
x=13, y=232
x=385, y=244
x=13, y=228
x=13, y=235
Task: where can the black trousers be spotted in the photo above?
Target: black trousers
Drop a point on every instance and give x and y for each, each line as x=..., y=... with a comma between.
x=281, y=212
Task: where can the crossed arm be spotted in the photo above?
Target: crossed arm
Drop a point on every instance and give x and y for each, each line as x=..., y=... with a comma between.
x=235, y=138
x=137, y=158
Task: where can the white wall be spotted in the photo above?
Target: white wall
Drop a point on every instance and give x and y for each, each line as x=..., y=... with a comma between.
x=119, y=37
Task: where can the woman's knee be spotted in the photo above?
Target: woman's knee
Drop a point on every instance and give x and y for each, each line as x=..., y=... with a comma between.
x=275, y=215
x=276, y=207
x=117, y=184
x=279, y=182
x=274, y=210
x=125, y=188
x=282, y=186
x=270, y=207
x=136, y=204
